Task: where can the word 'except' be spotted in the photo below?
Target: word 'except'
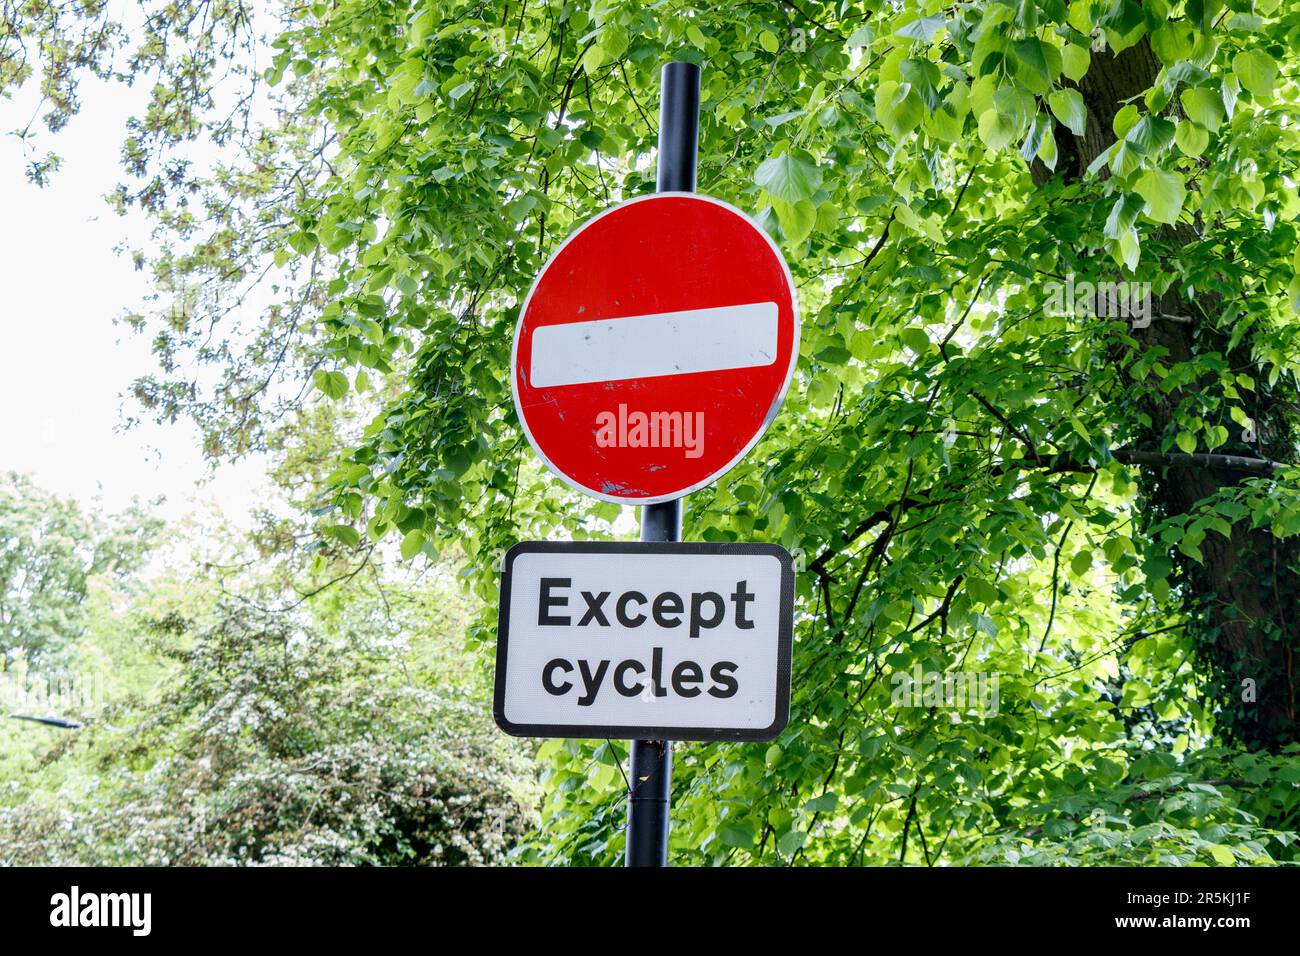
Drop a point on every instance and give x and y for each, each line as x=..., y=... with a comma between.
x=704, y=610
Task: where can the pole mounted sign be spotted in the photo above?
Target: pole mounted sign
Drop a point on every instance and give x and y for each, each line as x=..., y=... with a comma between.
x=655, y=347
x=652, y=352
x=611, y=639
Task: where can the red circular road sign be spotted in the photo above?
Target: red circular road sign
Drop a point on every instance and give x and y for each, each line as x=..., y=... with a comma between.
x=655, y=347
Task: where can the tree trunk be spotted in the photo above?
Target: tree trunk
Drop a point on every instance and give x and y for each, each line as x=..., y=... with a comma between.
x=1243, y=596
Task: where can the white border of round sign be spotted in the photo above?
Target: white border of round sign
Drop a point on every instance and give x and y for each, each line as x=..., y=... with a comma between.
x=767, y=419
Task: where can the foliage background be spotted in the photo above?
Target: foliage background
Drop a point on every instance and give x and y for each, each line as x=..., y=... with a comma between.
x=227, y=723
x=975, y=481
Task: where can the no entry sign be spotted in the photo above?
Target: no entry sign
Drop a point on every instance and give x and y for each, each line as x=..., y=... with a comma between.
x=655, y=347
x=632, y=640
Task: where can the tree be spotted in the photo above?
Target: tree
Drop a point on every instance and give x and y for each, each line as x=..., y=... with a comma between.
x=242, y=728
x=1091, y=496
x=49, y=550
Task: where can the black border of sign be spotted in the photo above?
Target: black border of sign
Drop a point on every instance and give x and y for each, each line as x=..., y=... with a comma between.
x=784, y=643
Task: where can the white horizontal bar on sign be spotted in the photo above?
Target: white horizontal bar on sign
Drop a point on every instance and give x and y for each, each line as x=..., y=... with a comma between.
x=646, y=346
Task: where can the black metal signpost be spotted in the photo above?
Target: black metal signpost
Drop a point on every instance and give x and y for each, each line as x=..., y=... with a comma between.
x=652, y=760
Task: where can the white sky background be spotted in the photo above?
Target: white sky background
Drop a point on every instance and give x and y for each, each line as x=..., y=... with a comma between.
x=65, y=366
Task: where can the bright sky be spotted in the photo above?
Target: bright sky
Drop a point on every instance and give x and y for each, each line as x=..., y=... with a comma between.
x=65, y=366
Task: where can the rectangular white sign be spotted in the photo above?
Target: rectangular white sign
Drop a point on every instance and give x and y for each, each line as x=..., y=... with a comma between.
x=646, y=346
x=686, y=641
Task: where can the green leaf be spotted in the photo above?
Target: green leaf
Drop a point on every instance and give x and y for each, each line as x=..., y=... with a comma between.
x=1081, y=564
x=517, y=209
x=344, y=533
x=899, y=108
x=1186, y=442
x=791, y=842
x=303, y=242
x=1129, y=248
x=797, y=219
x=1164, y=194
x=1033, y=68
x=823, y=804
x=1067, y=106
x=996, y=129
x=1257, y=72
x=594, y=58
x=789, y=177
x=1173, y=41
x=1150, y=135
x=862, y=36
x=1047, y=148
x=739, y=835
x=1122, y=216
x=1191, y=138
x=1121, y=17
x=333, y=384
x=1125, y=159
x=780, y=118
x=916, y=339
x=1204, y=106
x=1017, y=104
x=412, y=544
x=1124, y=119
x=1074, y=61
x=923, y=29
x=924, y=77
x=1034, y=138
x=981, y=590
x=1223, y=855
x=1160, y=590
